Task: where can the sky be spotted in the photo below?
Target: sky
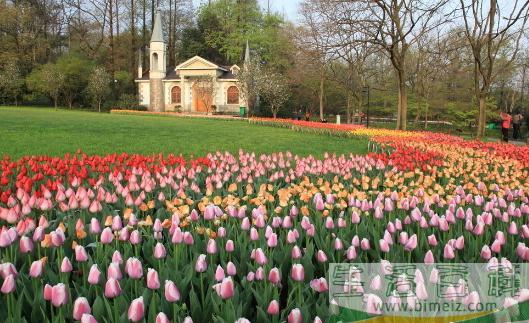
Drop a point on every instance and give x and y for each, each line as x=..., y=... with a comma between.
x=287, y=7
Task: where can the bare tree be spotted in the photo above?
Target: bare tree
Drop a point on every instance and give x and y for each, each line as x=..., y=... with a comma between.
x=489, y=33
x=317, y=35
x=392, y=25
x=206, y=89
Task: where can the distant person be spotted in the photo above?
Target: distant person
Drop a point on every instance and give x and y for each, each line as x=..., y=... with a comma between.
x=307, y=116
x=505, y=125
x=517, y=125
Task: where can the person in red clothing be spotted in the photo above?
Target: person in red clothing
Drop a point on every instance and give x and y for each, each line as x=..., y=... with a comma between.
x=505, y=125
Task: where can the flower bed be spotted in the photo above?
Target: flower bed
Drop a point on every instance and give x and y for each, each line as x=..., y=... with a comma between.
x=308, y=126
x=226, y=237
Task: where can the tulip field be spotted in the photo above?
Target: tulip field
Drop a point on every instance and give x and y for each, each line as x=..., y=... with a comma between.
x=248, y=237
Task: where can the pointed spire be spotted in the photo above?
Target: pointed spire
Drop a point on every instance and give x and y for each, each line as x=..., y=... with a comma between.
x=247, y=53
x=157, y=33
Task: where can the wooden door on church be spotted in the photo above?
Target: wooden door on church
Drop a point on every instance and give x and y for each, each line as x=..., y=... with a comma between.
x=199, y=100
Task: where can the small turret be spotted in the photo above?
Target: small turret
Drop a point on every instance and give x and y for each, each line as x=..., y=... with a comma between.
x=157, y=69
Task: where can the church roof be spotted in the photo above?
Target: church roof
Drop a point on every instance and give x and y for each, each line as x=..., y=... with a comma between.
x=157, y=33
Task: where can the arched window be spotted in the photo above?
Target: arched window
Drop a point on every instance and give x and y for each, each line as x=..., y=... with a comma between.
x=176, y=95
x=154, y=62
x=233, y=95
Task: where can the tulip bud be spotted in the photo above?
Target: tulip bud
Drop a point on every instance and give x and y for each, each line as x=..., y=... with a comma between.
x=172, y=294
x=153, y=281
x=298, y=272
x=9, y=285
x=273, y=308
x=136, y=310
x=112, y=288
x=81, y=307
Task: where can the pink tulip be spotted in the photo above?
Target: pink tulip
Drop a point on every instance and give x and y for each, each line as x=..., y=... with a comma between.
x=87, y=318
x=36, y=269
x=188, y=239
x=46, y=293
x=429, y=258
x=211, y=247
x=319, y=285
x=153, y=282
x=135, y=237
x=384, y=246
x=411, y=244
x=231, y=270
x=448, y=252
x=116, y=257
x=364, y=244
x=66, y=265
x=136, y=310
x=373, y=304
x=162, y=318
x=133, y=268
x=273, y=308
x=229, y=246
x=225, y=289
x=113, y=271
x=171, y=292
x=201, y=264
x=298, y=272
x=25, y=245
x=486, y=253
x=107, y=236
x=260, y=257
x=496, y=246
x=80, y=254
x=7, y=269
x=80, y=307
x=295, y=316
x=159, y=251
x=351, y=253
x=296, y=252
x=112, y=288
x=274, y=276
x=59, y=295
x=321, y=257
x=219, y=274
x=95, y=227
x=9, y=285
x=376, y=283
x=93, y=275
x=259, y=273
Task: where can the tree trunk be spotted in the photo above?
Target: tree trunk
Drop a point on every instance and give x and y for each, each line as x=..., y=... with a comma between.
x=274, y=112
x=55, y=102
x=133, y=38
x=481, y=117
x=402, y=107
x=99, y=105
x=348, y=108
x=426, y=117
x=322, y=88
x=111, y=37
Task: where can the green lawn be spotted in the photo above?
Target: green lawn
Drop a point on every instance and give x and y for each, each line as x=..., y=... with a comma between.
x=43, y=131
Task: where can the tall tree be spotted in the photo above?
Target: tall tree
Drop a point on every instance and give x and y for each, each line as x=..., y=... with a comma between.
x=392, y=25
x=490, y=32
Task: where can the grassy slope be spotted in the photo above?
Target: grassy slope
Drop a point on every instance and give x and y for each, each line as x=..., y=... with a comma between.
x=32, y=131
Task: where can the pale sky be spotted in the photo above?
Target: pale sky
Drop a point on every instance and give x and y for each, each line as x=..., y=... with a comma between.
x=287, y=7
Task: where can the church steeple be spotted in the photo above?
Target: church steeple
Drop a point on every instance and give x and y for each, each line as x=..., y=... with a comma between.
x=158, y=65
x=157, y=33
x=247, y=53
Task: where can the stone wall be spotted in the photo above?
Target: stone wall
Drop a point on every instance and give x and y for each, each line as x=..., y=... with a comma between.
x=157, y=96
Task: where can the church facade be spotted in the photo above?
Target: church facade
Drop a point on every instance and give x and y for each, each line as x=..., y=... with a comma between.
x=195, y=86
